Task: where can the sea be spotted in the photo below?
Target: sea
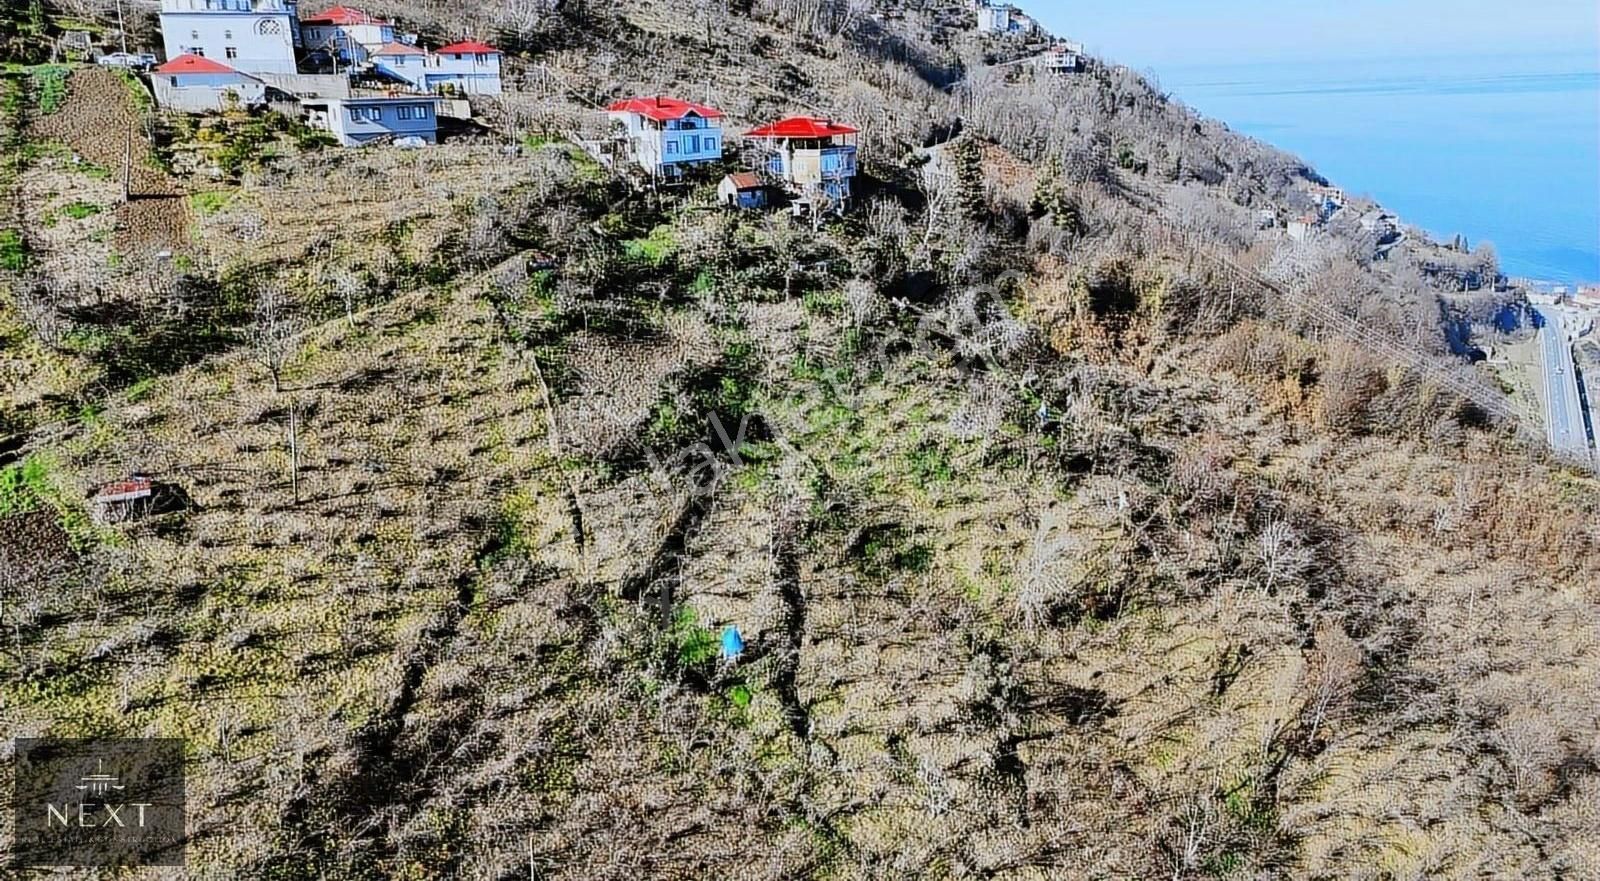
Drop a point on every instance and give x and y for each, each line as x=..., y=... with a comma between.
x=1498, y=148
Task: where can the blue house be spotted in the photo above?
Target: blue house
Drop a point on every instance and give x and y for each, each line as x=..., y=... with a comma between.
x=666, y=136
x=815, y=158
x=364, y=120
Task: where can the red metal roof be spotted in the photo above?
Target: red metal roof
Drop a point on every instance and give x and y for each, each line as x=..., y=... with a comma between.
x=194, y=64
x=124, y=490
x=393, y=48
x=744, y=180
x=661, y=109
x=802, y=127
x=466, y=47
x=342, y=15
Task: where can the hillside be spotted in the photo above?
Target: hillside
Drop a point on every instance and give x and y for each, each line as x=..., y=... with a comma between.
x=1062, y=541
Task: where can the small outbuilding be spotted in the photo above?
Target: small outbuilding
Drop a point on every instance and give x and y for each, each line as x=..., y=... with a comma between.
x=125, y=499
x=196, y=84
x=742, y=190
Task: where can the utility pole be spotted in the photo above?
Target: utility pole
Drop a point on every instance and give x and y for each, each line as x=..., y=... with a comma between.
x=294, y=453
x=127, y=164
x=122, y=29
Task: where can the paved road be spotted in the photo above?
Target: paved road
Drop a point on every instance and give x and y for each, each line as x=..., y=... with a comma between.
x=1563, y=407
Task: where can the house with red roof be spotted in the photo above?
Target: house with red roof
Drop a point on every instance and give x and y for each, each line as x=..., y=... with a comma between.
x=814, y=157
x=667, y=136
x=195, y=84
x=345, y=33
x=470, y=67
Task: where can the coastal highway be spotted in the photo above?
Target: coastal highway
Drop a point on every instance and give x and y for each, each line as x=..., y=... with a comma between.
x=1563, y=407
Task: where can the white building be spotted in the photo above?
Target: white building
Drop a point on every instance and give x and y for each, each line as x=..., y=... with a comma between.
x=1003, y=18
x=994, y=19
x=400, y=61
x=1062, y=58
x=253, y=36
x=346, y=33
x=665, y=136
x=468, y=67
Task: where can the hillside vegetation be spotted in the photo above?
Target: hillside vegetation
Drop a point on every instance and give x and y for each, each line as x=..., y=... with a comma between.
x=1058, y=550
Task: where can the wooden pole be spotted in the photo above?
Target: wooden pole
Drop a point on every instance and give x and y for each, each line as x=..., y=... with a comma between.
x=294, y=453
x=127, y=164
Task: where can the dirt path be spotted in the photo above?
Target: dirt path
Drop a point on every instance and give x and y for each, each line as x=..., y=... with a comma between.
x=95, y=123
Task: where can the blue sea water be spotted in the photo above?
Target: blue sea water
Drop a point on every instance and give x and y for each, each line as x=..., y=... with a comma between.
x=1504, y=149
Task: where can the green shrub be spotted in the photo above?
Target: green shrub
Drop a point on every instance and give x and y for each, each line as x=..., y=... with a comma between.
x=654, y=249
x=80, y=210
x=13, y=251
x=49, y=86
x=693, y=644
x=24, y=487
x=209, y=202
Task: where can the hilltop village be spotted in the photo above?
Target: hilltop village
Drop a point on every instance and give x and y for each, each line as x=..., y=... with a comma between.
x=367, y=81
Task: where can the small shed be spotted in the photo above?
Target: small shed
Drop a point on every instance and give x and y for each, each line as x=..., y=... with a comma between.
x=125, y=499
x=742, y=190
x=135, y=496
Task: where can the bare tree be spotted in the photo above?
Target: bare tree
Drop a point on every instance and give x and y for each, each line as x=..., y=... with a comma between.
x=273, y=332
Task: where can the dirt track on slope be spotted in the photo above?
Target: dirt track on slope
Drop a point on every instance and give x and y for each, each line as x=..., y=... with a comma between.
x=95, y=123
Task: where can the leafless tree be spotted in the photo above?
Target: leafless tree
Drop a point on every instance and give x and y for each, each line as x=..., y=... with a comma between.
x=273, y=331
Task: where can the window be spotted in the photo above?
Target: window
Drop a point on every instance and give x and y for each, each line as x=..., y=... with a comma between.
x=194, y=35
x=408, y=111
x=369, y=114
x=672, y=148
x=231, y=52
x=691, y=144
x=482, y=58
x=227, y=35
x=271, y=28
x=198, y=50
x=711, y=145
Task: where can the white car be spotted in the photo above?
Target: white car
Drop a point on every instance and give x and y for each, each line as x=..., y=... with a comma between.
x=130, y=60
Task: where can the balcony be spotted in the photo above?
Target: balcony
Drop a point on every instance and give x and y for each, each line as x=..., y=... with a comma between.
x=223, y=6
x=822, y=164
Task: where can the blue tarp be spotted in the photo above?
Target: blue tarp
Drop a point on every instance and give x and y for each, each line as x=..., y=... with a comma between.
x=732, y=642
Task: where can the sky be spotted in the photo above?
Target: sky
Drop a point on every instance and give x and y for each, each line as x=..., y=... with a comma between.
x=1152, y=34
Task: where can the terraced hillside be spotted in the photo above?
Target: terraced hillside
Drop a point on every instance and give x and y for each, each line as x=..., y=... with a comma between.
x=1055, y=553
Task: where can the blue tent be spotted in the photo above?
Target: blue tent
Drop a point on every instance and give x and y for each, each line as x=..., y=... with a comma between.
x=732, y=642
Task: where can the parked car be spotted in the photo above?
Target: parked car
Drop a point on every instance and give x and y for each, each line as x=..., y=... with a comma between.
x=130, y=60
